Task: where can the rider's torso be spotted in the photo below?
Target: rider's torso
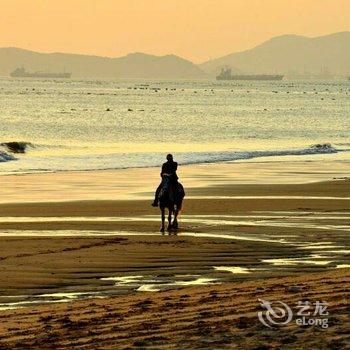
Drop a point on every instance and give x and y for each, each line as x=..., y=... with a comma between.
x=170, y=168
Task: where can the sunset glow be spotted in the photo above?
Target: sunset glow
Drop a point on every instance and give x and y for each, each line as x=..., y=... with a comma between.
x=194, y=29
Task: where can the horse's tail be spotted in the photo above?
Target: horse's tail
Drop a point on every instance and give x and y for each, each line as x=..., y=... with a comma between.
x=181, y=196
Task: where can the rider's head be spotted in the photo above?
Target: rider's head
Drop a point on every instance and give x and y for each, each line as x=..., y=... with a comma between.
x=169, y=157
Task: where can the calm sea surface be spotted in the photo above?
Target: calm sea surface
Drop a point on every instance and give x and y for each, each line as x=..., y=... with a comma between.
x=92, y=124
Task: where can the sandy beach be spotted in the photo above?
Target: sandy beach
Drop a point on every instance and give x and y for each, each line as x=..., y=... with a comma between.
x=211, y=317
x=174, y=175
x=97, y=273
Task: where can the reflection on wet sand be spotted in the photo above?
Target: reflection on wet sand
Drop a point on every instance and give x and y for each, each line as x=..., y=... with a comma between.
x=232, y=269
x=296, y=261
x=48, y=299
x=272, y=220
x=137, y=283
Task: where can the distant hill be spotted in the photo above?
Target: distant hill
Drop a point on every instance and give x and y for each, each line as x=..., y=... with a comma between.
x=290, y=53
x=135, y=65
x=286, y=54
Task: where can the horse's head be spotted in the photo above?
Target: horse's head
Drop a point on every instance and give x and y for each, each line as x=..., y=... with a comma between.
x=166, y=196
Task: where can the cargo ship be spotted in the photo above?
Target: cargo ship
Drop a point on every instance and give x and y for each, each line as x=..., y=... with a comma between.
x=226, y=75
x=22, y=73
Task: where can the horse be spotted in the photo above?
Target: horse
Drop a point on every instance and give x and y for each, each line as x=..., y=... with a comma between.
x=170, y=198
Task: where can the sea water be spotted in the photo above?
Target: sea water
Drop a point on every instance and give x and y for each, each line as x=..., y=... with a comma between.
x=111, y=124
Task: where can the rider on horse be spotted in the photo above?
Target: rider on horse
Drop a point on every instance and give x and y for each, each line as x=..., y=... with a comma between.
x=168, y=169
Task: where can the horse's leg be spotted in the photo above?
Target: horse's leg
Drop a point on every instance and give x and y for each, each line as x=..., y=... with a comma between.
x=162, y=228
x=169, y=219
x=175, y=223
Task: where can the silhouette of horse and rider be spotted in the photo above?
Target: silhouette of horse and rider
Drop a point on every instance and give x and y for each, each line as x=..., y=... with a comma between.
x=169, y=194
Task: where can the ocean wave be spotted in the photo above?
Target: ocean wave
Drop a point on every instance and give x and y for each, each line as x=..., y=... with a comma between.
x=5, y=157
x=23, y=146
x=113, y=161
x=213, y=157
x=16, y=146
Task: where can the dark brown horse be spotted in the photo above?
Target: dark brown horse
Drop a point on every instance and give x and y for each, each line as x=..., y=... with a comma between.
x=171, y=197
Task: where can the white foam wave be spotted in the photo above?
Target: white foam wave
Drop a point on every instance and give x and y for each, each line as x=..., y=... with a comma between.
x=111, y=161
x=5, y=157
x=234, y=155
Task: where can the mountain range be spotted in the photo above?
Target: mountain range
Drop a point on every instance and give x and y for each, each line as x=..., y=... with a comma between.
x=134, y=65
x=291, y=53
x=284, y=54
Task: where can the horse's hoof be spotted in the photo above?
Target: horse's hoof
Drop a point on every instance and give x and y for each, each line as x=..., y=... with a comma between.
x=162, y=230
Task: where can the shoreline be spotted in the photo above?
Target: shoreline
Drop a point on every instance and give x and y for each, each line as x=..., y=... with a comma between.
x=139, y=183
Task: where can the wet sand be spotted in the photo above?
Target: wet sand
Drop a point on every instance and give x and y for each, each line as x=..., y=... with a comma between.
x=139, y=183
x=35, y=266
x=237, y=242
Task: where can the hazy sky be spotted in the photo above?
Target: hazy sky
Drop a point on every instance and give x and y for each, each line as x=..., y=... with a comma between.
x=194, y=29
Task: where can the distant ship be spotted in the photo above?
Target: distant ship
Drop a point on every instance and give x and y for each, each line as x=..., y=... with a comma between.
x=22, y=73
x=226, y=75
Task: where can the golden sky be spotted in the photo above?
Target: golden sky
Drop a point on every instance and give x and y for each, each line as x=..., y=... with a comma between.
x=194, y=29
